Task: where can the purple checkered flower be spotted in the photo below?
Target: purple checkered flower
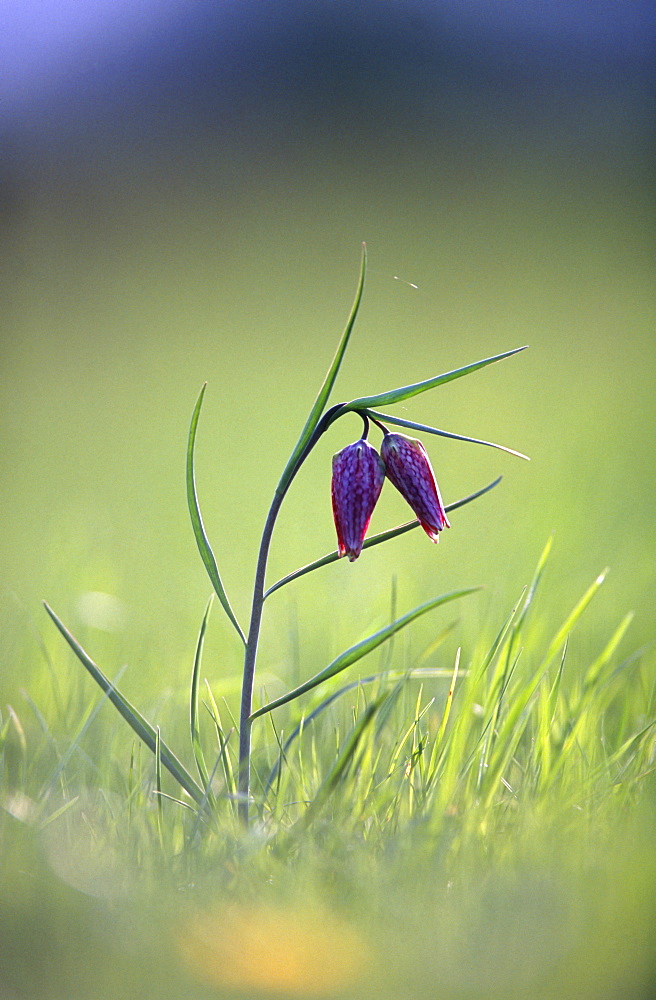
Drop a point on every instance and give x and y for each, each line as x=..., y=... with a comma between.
x=408, y=467
x=358, y=477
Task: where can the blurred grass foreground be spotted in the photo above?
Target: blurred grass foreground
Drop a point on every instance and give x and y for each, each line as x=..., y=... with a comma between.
x=183, y=192
x=479, y=832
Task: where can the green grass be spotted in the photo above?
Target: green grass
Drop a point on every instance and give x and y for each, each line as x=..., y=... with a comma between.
x=477, y=832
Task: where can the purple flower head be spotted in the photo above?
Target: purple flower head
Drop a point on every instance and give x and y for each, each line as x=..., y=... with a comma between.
x=358, y=477
x=408, y=468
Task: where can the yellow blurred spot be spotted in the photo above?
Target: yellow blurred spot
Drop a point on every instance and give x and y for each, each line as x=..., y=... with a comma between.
x=294, y=951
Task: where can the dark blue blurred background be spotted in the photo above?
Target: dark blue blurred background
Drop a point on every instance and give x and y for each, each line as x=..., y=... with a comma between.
x=276, y=74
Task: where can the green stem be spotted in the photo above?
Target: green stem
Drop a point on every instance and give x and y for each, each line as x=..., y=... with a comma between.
x=250, y=656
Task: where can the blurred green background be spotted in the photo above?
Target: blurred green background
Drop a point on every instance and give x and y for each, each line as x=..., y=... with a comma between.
x=185, y=189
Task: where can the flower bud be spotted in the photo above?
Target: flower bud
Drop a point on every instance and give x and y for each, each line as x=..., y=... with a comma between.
x=408, y=468
x=358, y=477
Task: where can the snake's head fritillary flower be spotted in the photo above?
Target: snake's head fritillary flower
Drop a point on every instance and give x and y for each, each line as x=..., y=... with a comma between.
x=358, y=477
x=408, y=468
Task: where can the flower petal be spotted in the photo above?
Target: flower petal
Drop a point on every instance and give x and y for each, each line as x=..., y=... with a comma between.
x=358, y=477
x=408, y=468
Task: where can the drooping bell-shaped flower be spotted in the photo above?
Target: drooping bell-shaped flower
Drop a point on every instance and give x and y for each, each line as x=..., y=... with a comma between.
x=358, y=477
x=408, y=467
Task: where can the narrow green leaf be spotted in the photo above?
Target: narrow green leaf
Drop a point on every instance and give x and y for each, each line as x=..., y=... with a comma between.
x=592, y=684
x=38, y=714
x=178, y=802
x=202, y=542
x=447, y=707
x=410, y=731
x=630, y=742
x=326, y=388
x=496, y=647
x=14, y=720
x=593, y=672
x=426, y=429
x=406, y=391
x=510, y=732
x=4, y=732
x=132, y=716
x=58, y=812
x=383, y=536
x=519, y=619
x=511, y=729
x=193, y=703
x=533, y=586
x=215, y=715
x=563, y=632
x=434, y=644
x=356, y=652
x=132, y=784
x=552, y=700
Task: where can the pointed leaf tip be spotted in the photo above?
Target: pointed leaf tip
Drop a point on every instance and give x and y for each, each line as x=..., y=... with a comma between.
x=406, y=391
x=202, y=541
x=300, y=450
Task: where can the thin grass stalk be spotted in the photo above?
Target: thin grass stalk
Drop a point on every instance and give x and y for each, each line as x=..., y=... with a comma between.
x=158, y=787
x=193, y=703
x=215, y=715
x=439, y=739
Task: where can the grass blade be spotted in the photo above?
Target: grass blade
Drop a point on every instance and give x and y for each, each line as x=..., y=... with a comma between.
x=447, y=434
x=193, y=703
x=593, y=683
x=533, y=586
x=202, y=542
x=410, y=731
x=511, y=729
x=215, y=715
x=433, y=646
x=58, y=812
x=341, y=765
x=132, y=716
x=594, y=671
x=355, y=653
x=445, y=718
x=406, y=391
x=383, y=536
x=563, y=632
x=630, y=742
x=329, y=381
